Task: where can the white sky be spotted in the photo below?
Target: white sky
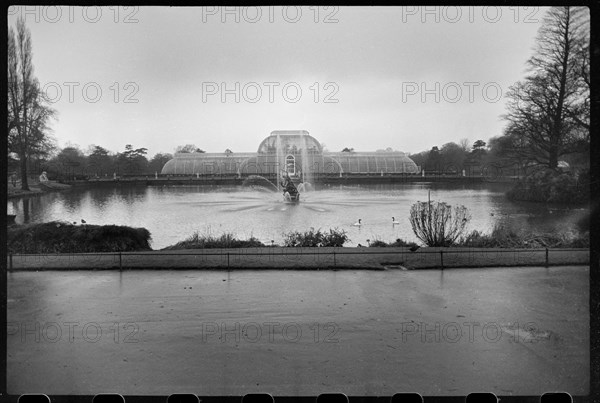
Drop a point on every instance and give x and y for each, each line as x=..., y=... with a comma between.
x=378, y=59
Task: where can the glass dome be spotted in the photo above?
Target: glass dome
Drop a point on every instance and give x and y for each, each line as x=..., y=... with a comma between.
x=290, y=142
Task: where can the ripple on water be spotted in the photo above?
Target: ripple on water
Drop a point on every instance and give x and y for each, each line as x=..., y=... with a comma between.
x=174, y=213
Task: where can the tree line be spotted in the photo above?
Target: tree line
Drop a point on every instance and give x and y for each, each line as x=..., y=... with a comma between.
x=31, y=146
x=548, y=112
x=71, y=162
x=453, y=157
x=547, y=115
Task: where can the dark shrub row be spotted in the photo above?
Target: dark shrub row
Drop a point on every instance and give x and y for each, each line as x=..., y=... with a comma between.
x=63, y=237
x=503, y=237
x=553, y=187
x=397, y=243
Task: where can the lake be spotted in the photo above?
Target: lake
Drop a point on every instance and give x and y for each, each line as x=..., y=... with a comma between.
x=172, y=213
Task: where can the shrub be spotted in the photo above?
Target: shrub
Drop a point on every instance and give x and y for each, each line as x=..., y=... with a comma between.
x=315, y=238
x=397, y=243
x=309, y=238
x=335, y=237
x=501, y=237
x=437, y=223
x=402, y=243
x=504, y=237
x=547, y=185
x=64, y=237
x=207, y=241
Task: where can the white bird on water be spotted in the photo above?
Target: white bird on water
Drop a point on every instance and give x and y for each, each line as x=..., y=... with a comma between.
x=358, y=223
x=394, y=221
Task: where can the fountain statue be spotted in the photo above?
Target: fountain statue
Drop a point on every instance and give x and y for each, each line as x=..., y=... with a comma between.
x=290, y=192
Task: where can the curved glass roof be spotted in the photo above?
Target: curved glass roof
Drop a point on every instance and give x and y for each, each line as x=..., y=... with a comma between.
x=290, y=142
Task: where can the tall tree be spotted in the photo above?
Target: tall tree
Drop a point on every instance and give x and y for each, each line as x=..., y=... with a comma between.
x=505, y=152
x=28, y=110
x=134, y=160
x=188, y=148
x=70, y=160
x=464, y=144
x=434, y=159
x=479, y=147
x=453, y=157
x=99, y=160
x=158, y=161
x=550, y=107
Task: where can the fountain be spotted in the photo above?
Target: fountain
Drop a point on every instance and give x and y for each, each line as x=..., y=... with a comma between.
x=306, y=178
x=290, y=192
x=284, y=182
x=288, y=155
x=261, y=183
x=278, y=162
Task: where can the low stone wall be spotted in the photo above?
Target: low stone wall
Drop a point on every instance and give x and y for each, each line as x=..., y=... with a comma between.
x=303, y=258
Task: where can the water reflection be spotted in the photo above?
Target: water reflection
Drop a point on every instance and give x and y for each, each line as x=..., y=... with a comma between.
x=171, y=213
x=25, y=204
x=72, y=200
x=101, y=197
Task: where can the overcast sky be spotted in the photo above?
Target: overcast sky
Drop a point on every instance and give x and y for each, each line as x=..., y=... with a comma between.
x=370, y=77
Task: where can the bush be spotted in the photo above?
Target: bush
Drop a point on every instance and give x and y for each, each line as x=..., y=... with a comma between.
x=437, y=223
x=64, y=237
x=402, y=243
x=503, y=237
x=550, y=186
x=207, y=241
x=315, y=238
x=397, y=243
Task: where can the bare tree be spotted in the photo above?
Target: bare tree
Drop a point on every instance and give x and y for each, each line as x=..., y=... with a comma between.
x=550, y=107
x=437, y=223
x=28, y=110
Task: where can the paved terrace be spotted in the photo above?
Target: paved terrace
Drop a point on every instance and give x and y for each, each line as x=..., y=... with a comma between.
x=510, y=331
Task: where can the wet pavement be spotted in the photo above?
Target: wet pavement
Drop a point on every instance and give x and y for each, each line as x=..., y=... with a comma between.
x=521, y=331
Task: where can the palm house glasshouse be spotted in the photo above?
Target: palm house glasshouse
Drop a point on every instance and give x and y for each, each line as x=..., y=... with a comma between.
x=294, y=151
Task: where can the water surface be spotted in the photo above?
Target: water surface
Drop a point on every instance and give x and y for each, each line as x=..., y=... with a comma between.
x=172, y=213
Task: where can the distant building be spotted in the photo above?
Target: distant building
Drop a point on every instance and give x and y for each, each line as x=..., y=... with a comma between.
x=294, y=151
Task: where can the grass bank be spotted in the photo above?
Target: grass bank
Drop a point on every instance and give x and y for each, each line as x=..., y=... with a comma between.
x=35, y=189
x=208, y=241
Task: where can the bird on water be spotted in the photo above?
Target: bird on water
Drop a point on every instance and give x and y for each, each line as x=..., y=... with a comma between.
x=358, y=223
